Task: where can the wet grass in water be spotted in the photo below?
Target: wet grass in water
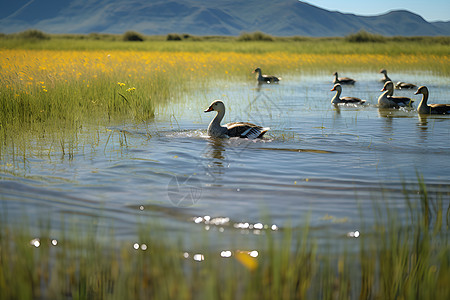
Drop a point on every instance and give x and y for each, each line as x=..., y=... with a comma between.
x=396, y=259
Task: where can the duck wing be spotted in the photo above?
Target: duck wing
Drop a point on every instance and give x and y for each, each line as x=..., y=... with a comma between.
x=442, y=109
x=352, y=100
x=401, y=101
x=270, y=78
x=245, y=130
x=346, y=80
x=404, y=85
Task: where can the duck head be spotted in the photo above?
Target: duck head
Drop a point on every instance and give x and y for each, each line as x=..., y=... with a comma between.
x=336, y=87
x=216, y=105
x=388, y=86
x=422, y=90
x=257, y=70
x=383, y=71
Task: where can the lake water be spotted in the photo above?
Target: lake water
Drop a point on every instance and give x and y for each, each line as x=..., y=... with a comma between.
x=319, y=165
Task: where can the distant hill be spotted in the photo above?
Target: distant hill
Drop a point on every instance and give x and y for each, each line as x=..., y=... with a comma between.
x=227, y=17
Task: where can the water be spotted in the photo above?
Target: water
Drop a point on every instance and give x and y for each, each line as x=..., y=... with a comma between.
x=319, y=165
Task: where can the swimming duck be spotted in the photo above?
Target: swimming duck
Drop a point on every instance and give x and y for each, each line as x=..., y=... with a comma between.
x=344, y=100
x=235, y=129
x=386, y=77
x=403, y=85
x=434, y=109
x=342, y=80
x=387, y=100
x=265, y=78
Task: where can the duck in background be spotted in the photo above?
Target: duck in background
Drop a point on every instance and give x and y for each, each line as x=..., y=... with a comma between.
x=399, y=85
x=235, y=129
x=430, y=109
x=342, y=80
x=403, y=85
x=344, y=100
x=388, y=100
x=385, y=77
x=265, y=78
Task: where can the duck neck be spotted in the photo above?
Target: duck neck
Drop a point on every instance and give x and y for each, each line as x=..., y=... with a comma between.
x=390, y=91
x=423, y=105
x=386, y=94
x=260, y=75
x=337, y=97
x=214, y=128
x=218, y=118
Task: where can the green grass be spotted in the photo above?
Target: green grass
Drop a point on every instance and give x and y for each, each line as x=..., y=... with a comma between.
x=398, y=258
x=359, y=43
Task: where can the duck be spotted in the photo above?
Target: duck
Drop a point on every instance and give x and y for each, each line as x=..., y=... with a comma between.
x=342, y=80
x=265, y=78
x=386, y=77
x=388, y=100
x=235, y=129
x=433, y=109
x=344, y=100
x=403, y=85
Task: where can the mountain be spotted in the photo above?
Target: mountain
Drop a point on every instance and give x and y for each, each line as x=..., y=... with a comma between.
x=227, y=17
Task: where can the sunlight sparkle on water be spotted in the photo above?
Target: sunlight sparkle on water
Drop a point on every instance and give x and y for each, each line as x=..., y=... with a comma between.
x=226, y=253
x=353, y=234
x=35, y=242
x=199, y=257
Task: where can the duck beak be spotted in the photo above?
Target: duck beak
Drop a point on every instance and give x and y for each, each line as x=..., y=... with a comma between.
x=333, y=89
x=209, y=109
x=382, y=90
x=417, y=92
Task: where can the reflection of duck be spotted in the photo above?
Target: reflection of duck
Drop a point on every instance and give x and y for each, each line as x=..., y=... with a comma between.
x=235, y=129
x=433, y=109
x=386, y=77
x=344, y=100
x=387, y=100
x=216, y=161
x=342, y=80
x=265, y=78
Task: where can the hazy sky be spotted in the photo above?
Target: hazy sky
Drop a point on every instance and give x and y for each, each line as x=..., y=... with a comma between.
x=430, y=10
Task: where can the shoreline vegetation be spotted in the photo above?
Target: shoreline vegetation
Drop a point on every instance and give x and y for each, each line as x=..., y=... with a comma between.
x=53, y=87
x=361, y=42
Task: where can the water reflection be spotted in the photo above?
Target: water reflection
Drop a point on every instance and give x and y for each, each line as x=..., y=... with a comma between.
x=216, y=161
x=385, y=112
x=422, y=125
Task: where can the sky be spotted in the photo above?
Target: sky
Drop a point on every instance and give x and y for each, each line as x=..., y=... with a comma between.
x=430, y=10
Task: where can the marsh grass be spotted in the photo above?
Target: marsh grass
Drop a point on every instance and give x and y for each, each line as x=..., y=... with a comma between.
x=406, y=259
x=51, y=97
x=53, y=86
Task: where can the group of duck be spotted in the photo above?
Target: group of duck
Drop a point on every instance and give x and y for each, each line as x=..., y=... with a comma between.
x=385, y=100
